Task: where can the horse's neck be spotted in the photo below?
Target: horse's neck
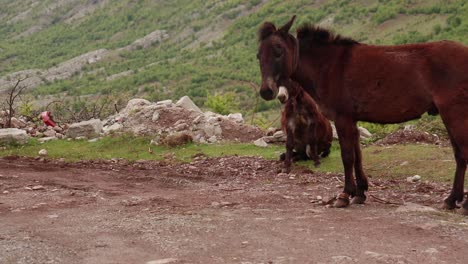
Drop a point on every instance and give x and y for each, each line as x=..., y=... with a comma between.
x=319, y=59
x=315, y=64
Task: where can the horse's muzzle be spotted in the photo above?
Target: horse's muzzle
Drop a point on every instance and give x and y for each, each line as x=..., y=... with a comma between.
x=283, y=94
x=269, y=90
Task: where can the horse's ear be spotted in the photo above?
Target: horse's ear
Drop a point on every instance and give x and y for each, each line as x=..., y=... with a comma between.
x=266, y=30
x=287, y=26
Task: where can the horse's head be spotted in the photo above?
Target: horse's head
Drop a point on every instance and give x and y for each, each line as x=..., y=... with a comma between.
x=288, y=89
x=278, y=55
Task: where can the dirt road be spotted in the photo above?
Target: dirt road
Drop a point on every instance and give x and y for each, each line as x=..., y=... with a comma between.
x=223, y=210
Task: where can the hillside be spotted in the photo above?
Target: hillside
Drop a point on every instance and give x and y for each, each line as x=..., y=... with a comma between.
x=167, y=49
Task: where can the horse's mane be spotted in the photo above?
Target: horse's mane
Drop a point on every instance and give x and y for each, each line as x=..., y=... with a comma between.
x=312, y=34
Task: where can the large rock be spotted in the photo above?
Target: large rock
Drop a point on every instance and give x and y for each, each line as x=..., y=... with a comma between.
x=13, y=136
x=134, y=104
x=187, y=103
x=363, y=132
x=90, y=129
x=112, y=128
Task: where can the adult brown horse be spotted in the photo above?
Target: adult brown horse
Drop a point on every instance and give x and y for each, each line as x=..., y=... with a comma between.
x=354, y=82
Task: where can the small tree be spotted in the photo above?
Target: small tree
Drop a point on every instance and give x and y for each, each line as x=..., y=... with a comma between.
x=12, y=95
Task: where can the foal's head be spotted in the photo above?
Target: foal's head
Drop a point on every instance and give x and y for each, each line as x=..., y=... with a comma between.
x=278, y=55
x=288, y=89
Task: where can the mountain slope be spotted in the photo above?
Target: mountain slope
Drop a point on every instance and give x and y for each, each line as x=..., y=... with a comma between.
x=197, y=47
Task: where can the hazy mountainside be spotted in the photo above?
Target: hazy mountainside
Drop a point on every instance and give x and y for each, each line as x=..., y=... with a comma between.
x=166, y=49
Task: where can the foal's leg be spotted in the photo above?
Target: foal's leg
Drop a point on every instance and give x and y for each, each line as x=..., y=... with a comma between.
x=361, y=179
x=289, y=150
x=346, y=129
x=312, y=147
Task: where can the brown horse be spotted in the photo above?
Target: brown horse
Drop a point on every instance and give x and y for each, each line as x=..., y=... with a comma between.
x=308, y=132
x=352, y=81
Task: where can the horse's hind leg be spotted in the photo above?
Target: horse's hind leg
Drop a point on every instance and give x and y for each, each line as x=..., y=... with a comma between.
x=453, y=113
x=457, y=193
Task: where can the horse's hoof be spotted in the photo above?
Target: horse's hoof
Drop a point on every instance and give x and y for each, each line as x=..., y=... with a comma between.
x=317, y=164
x=462, y=211
x=342, y=201
x=286, y=170
x=358, y=200
x=449, y=205
x=282, y=157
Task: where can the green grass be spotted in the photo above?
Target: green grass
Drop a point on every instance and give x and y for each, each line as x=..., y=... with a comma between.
x=431, y=162
x=134, y=148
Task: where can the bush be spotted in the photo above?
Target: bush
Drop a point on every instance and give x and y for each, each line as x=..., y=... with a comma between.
x=222, y=103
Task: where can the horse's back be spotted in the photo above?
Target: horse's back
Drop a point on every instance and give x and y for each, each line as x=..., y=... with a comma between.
x=392, y=84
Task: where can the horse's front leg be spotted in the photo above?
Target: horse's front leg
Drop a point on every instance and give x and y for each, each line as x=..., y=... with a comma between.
x=346, y=129
x=361, y=178
x=289, y=150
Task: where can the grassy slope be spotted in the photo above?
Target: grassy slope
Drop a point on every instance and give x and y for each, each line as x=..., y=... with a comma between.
x=171, y=70
x=429, y=161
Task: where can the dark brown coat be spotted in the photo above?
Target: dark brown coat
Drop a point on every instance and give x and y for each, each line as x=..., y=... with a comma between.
x=308, y=132
x=354, y=82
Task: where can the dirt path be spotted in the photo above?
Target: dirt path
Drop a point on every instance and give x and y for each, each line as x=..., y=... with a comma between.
x=224, y=210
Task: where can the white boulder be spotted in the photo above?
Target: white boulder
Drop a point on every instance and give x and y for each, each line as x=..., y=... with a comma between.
x=13, y=136
x=90, y=129
x=186, y=103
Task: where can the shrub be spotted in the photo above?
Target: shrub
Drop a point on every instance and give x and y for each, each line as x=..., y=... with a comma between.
x=222, y=103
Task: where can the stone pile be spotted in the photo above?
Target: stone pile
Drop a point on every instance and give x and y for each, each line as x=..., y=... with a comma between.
x=165, y=118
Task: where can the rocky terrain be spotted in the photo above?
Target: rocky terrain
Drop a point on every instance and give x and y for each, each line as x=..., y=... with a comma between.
x=215, y=210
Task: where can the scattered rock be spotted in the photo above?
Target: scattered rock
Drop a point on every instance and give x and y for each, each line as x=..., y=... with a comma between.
x=43, y=152
x=50, y=132
x=415, y=178
x=38, y=188
x=162, y=261
x=260, y=143
x=237, y=117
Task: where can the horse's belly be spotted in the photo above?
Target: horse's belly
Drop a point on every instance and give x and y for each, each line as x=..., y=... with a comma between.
x=394, y=111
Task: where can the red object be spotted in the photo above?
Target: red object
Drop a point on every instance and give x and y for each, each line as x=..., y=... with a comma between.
x=47, y=119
